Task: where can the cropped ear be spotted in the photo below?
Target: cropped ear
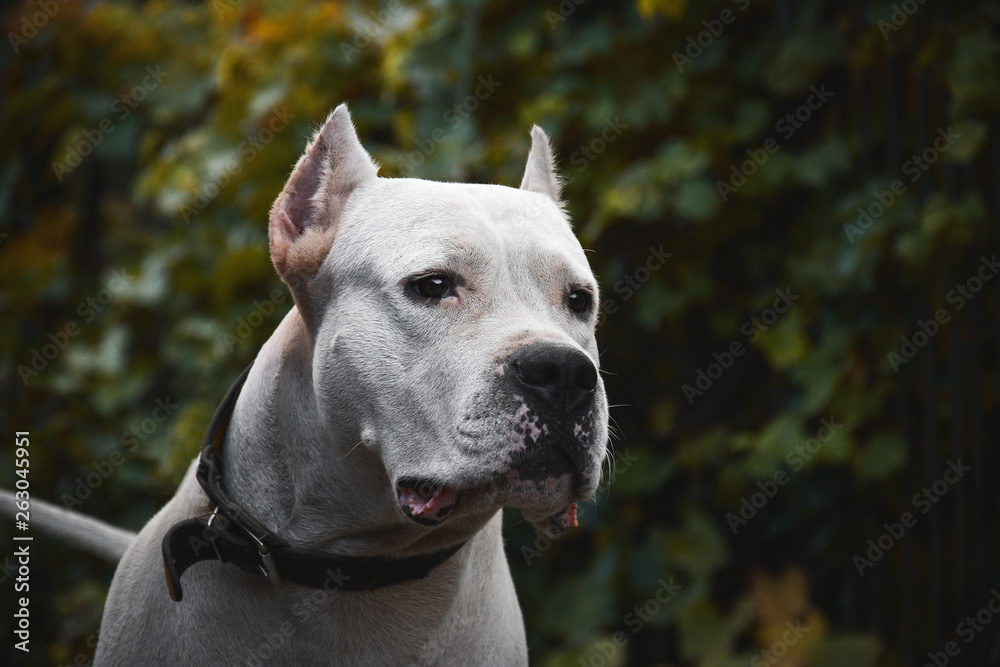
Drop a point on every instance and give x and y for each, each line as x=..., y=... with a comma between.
x=540, y=172
x=306, y=214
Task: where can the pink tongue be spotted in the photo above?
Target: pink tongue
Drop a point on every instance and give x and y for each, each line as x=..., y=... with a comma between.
x=429, y=508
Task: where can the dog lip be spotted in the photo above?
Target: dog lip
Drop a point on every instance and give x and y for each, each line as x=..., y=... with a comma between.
x=566, y=519
x=425, y=501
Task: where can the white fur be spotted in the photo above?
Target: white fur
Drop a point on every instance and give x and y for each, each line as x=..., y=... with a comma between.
x=360, y=386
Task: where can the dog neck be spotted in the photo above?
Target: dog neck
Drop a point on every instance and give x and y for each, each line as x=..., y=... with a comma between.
x=305, y=475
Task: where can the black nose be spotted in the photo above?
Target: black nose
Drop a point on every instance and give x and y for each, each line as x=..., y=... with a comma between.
x=562, y=376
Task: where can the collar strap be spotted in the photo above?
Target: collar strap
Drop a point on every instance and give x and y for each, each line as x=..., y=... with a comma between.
x=232, y=535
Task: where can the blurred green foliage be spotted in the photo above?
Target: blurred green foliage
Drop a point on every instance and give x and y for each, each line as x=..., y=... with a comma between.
x=651, y=110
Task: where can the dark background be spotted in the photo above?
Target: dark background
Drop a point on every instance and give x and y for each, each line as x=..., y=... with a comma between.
x=652, y=104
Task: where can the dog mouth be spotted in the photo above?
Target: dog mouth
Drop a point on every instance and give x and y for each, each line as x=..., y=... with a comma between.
x=546, y=494
x=426, y=502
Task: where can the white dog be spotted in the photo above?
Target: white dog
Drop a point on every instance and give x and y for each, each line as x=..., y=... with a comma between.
x=439, y=364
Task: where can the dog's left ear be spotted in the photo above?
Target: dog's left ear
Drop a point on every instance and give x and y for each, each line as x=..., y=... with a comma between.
x=306, y=214
x=540, y=173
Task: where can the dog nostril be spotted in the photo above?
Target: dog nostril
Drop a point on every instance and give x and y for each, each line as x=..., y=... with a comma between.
x=586, y=376
x=538, y=374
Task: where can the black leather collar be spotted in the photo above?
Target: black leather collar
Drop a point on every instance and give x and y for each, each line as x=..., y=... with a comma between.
x=232, y=535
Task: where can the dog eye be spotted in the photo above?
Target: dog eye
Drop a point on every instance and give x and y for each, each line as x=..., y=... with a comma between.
x=433, y=287
x=579, y=301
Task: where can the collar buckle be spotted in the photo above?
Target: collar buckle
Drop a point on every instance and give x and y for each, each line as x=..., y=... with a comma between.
x=266, y=565
x=212, y=533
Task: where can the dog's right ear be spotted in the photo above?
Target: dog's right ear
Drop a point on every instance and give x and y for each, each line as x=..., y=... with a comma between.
x=305, y=215
x=540, y=173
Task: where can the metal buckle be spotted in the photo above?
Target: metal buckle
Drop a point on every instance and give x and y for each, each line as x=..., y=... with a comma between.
x=266, y=565
x=211, y=535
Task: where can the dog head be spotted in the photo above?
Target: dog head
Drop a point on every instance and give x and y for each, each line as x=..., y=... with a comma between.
x=452, y=327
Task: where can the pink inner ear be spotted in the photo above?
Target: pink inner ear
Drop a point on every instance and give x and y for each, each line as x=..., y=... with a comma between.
x=297, y=199
x=289, y=230
x=334, y=163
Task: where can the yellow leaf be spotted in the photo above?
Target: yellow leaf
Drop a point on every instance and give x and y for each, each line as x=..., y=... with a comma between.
x=672, y=9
